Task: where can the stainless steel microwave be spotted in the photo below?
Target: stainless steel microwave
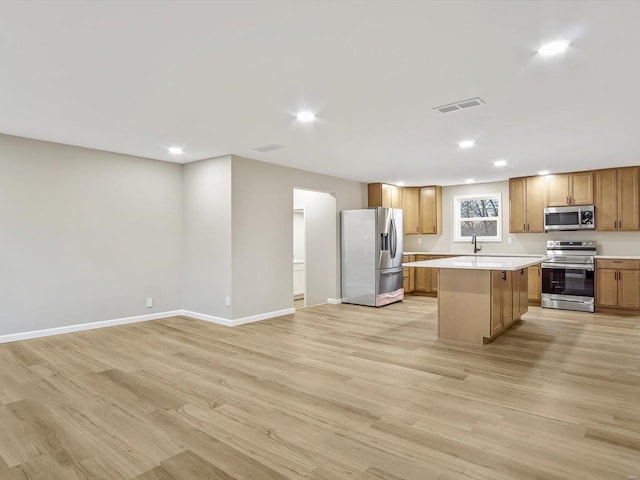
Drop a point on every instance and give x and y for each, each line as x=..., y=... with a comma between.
x=569, y=218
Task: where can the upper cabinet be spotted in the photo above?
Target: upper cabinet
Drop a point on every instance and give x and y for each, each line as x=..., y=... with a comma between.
x=570, y=189
x=384, y=195
x=411, y=210
x=527, y=202
x=431, y=210
x=421, y=206
x=617, y=199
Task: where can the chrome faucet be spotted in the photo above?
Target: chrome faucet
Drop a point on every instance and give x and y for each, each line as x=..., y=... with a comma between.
x=474, y=240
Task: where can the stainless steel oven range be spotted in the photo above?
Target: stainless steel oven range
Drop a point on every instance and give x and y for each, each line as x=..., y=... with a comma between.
x=568, y=275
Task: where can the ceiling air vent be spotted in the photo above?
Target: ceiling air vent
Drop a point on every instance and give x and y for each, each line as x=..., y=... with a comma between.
x=269, y=147
x=461, y=105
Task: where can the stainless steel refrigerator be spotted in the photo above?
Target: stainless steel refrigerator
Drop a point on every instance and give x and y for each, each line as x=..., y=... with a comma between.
x=372, y=256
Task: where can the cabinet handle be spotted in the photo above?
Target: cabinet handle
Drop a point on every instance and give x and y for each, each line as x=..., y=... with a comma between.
x=524, y=227
x=504, y=275
x=619, y=224
x=418, y=229
x=434, y=229
x=527, y=227
x=615, y=275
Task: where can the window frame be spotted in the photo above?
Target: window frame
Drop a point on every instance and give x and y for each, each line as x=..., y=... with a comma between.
x=457, y=199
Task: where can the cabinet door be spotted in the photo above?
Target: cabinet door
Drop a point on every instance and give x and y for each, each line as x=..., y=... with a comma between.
x=606, y=287
x=535, y=283
x=433, y=276
x=428, y=210
x=557, y=190
x=396, y=196
x=535, y=203
x=374, y=195
x=606, y=199
x=387, y=195
x=422, y=276
x=581, y=188
x=496, y=301
x=517, y=205
x=628, y=200
x=411, y=211
x=629, y=288
x=507, y=299
x=523, y=290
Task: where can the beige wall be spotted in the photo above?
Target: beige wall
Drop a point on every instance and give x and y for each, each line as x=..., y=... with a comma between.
x=207, y=237
x=262, y=231
x=610, y=243
x=85, y=235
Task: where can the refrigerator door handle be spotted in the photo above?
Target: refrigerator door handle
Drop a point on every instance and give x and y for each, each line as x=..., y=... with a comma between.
x=394, y=239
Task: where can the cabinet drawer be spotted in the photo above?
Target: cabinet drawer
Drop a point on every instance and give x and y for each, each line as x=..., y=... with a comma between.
x=619, y=264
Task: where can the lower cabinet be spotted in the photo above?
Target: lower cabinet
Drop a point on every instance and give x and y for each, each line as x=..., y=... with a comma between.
x=618, y=283
x=501, y=300
x=408, y=274
x=535, y=284
x=426, y=279
x=298, y=280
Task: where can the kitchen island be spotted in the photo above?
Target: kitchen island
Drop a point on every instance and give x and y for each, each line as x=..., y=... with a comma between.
x=480, y=297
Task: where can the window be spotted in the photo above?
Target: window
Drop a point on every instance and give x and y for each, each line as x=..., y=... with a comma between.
x=477, y=215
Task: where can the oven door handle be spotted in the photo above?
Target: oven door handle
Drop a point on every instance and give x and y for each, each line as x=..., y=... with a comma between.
x=569, y=266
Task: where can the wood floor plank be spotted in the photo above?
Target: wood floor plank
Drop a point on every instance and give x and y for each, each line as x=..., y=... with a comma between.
x=331, y=392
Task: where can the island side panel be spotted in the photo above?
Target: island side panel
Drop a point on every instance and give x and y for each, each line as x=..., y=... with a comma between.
x=464, y=305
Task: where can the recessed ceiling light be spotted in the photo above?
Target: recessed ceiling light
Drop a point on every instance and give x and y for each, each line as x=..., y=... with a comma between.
x=469, y=180
x=466, y=144
x=175, y=150
x=306, y=116
x=544, y=172
x=553, y=48
x=400, y=184
x=499, y=163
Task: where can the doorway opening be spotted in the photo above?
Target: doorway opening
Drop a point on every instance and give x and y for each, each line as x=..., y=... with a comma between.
x=314, y=247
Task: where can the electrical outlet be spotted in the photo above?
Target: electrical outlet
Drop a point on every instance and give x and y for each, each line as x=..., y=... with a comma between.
x=509, y=240
x=419, y=240
x=149, y=302
x=227, y=301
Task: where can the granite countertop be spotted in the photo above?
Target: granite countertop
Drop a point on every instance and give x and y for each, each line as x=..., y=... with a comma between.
x=478, y=262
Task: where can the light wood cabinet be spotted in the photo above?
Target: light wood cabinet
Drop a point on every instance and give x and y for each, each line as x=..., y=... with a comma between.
x=520, y=293
x=618, y=283
x=408, y=280
x=526, y=204
x=422, y=276
x=384, y=195
x=535, y=284
x=501, y=300
x=617, y=199
x=411, y=210
x=569, y=189
x=431, y=210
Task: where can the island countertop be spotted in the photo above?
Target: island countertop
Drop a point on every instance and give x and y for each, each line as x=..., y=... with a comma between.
x=480, y=263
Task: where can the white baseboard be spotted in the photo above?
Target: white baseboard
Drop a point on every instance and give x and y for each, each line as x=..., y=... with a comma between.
x=14, y=337
x=238, y=321
x=334, y=301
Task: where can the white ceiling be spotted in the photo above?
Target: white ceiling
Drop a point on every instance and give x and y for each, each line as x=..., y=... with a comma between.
x=225, y=77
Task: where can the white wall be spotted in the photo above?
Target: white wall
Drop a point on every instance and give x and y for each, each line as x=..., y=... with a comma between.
x=262, y=231
x=85, y=235
x=610, y=243
x=298, y=236
x=320, y=226
x=207, y=237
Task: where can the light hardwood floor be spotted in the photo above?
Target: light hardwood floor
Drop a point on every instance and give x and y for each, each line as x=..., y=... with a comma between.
x=332, y=392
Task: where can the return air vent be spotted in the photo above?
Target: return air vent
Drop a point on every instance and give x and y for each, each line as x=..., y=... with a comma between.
x=461, y=105
x=269, y=147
